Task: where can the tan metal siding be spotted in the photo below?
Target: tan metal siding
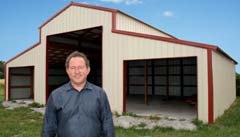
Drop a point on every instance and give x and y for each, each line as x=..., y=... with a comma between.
x=34, y=57
x=127, y=23
x=117, y=48
x=75, y=18
x=224, y=81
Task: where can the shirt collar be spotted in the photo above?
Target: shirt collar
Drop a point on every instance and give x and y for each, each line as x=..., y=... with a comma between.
x=87, y=86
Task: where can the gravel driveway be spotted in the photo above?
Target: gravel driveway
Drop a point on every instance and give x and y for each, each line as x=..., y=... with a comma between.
x=125, y=121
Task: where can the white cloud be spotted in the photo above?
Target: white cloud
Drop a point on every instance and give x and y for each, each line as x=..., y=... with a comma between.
x=168, y=13
x=113, y=1
x=127, y=2
x=84, y=2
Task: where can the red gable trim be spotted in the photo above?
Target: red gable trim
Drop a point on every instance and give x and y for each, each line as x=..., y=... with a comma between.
x=79, y=5
x=113, y=11
x=35, y=45
x=144, y=23
x=172, y=40
x=115, y=30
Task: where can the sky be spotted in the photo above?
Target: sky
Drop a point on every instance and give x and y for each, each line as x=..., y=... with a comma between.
x=214, y=22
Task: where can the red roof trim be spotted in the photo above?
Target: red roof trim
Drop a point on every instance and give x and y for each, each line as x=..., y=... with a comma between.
x=55, y=16
x=93, y=7
x=172, y=40
x=35, y=45
x=79, y=5
x=146, y=24
x=177, y=41
x=115, y=30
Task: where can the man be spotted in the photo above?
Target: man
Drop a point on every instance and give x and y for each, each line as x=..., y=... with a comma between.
x=78, y=108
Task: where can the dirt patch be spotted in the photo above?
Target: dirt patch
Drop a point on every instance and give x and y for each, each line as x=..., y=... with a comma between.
x=1, y=81
x=144, y=123
x=137, y=122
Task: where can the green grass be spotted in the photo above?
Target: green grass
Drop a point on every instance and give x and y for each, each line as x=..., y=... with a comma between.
x=20, y=122
x=1, y=89
x=23, y=122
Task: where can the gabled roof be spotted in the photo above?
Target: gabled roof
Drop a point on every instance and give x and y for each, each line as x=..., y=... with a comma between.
x=114, y=12
x=172, y=39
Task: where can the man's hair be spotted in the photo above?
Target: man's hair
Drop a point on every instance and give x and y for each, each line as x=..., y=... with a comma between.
x=77, y=54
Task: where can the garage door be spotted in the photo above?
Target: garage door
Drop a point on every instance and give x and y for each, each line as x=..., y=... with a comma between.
x=21, y=82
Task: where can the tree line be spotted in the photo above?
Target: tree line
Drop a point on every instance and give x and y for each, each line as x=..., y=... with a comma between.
x=238, y=83
x=1, y=69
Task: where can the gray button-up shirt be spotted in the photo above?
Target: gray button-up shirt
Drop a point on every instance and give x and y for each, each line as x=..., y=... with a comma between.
x=70, y=113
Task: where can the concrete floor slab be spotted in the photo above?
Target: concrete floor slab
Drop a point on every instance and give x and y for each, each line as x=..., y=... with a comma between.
x=163, y=107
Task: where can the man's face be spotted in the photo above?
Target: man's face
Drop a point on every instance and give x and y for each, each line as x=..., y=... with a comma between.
x=77, y=71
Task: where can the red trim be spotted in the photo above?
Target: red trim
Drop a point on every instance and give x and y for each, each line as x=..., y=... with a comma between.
x=93, y=7
x=177, y=41
x=28, y=49
x=114, y=16
x=162, y=58
x=35, y=45
x=46, y=75
x=79, y=5
x=210, y=87
x=115, y=30
x=102, y=58
x=114, y=11
x=54, y=16
x=172, y=40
